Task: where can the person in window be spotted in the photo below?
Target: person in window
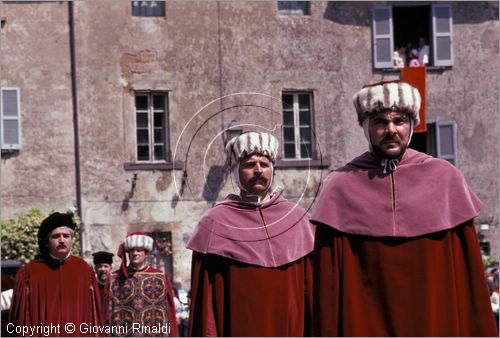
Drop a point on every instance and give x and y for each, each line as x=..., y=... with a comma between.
x=423, y=52
x=414, y=58
x=141, y=296
x=251, y=253
x=396, y=251
x=56, y=288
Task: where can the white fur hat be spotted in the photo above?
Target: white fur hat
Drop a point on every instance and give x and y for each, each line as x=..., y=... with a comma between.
x=138, y=240
x=252, y=143
x=387, y=95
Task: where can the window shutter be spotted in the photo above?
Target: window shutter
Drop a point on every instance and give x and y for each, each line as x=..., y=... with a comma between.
x=442, y=25
x=446, y=141
x=10, y=127
x=382, y=36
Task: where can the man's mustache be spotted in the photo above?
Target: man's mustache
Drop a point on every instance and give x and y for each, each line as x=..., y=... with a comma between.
x=258, y=179
x=62, y=246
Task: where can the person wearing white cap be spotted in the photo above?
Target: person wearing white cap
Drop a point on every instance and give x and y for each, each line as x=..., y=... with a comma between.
x=140, y=296
x=251, y=253
x=396, y=252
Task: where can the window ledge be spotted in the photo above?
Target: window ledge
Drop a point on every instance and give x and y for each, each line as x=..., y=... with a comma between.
x=431, y=69
x=302, y=164
x=153, y=166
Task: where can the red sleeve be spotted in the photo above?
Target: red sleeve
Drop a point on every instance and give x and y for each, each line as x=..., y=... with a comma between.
x=201, y=312
x=308, y=286
x=171, y=309
x=19, y=314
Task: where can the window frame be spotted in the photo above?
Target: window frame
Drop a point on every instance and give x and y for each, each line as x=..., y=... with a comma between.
x=452, y=158
x=10, y=146
x=297, y=125
x=151, y=128
x=152, y=15
x=434, y=10
x=306, y=11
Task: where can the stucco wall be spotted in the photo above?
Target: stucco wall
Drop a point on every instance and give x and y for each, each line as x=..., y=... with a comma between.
x=200, y=52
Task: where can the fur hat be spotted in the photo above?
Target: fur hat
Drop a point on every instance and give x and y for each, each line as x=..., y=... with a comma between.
x=387, y=95
x=251, y=143
x=101, y=257
x=138, y=240
x=50, y=223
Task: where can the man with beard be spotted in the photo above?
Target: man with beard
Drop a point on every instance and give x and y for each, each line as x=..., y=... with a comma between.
x=251, y=272
x=56, y=288
x=396, y=252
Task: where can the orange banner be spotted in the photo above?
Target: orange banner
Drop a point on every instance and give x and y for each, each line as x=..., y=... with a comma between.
x=416, y=77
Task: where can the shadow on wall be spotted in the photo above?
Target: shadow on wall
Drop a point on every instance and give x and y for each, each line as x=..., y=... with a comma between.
x=349, y=13
x=216, y=178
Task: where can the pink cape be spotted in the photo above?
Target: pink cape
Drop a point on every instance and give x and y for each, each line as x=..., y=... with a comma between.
x=424, y=195
x=270, y=235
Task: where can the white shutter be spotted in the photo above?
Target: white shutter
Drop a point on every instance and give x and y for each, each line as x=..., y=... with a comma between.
x=442, y=33
x=446, y=141
x=10, y=125
x=383, y=40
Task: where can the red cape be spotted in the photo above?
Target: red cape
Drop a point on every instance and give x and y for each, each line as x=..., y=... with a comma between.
x=272, y=234
x=422, y=196
x=47, y=292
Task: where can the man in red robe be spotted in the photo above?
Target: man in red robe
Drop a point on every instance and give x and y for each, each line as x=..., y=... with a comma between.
x=103, y=264
x=56, y=294
x=396, y=252
x=140, y=296
x=251, y=270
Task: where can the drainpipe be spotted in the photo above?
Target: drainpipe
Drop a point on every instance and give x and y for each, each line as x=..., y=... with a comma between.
x=74, y=99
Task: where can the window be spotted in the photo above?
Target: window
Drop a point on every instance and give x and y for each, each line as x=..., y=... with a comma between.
x=148, y=8
x=299, y=7
x=298, y=125
x=152, y=126
x=399, y=26
x=10, y=119
x=161, y=255
x=439, y=141
x=446, y=141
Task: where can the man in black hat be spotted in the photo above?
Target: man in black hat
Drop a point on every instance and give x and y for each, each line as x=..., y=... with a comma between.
x=56, y=293
x=103, y=262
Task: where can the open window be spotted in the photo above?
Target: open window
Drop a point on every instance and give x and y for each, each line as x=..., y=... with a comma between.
x=401, y=26
x=440, y=140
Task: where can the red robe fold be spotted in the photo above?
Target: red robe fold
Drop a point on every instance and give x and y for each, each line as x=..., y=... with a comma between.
x=229, y=298
x=431, y=285
x=48, y=292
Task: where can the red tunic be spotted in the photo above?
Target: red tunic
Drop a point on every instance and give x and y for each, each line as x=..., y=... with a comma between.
x=48, y=292
x=431, y=285
x=229, y=298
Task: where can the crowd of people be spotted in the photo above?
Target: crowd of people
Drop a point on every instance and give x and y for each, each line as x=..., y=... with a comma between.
x=390, y=249
x=411, y=55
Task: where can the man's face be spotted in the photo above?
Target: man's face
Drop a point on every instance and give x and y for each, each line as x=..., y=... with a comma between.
x=389, y=133
x=103, y=270
x=255, y=174
x=59, y=242
x=137, y=257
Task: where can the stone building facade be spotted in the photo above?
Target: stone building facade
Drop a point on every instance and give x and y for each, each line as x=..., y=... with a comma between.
x=123, y=107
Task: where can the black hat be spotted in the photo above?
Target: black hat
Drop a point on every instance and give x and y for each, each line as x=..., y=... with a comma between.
x=103, y=257
x=52, y=222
